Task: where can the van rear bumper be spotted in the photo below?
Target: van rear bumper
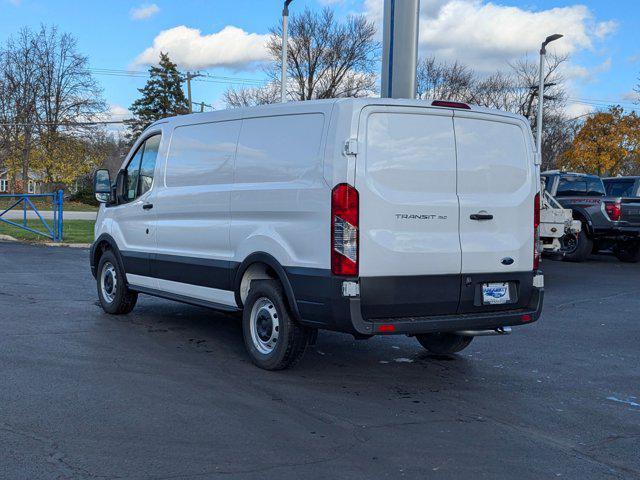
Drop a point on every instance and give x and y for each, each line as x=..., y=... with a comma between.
x=446, y=323
x=396, y=303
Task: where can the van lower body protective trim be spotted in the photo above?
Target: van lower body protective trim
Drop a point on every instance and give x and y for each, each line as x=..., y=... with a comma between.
x=203, y=272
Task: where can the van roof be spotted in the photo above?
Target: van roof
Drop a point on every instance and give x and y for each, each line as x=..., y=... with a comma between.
x=310, y=105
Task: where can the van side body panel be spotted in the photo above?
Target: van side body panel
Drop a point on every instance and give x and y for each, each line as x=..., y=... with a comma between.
x=279, y=198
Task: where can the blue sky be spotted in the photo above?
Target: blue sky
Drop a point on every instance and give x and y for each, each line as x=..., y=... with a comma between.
x=224, y=38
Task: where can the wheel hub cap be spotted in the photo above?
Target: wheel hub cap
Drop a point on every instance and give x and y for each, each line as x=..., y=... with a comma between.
x=108, y=282
x=265, y=326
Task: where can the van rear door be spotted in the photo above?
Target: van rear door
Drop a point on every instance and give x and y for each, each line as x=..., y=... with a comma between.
x=410, y=256
x=496, y=188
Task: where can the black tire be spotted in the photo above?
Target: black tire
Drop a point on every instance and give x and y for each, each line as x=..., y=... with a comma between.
x=276, y=340
x=115, y=298
x=581, y=249
x=444, y=343
x=628, y=252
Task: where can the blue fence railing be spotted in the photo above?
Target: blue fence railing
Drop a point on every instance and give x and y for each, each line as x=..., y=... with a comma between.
x=23, y=204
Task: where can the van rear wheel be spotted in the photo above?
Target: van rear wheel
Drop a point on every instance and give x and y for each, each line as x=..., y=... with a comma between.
x=274, y=340
x=444, y=343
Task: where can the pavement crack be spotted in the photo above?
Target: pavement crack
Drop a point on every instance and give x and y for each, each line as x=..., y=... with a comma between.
x=53, y=454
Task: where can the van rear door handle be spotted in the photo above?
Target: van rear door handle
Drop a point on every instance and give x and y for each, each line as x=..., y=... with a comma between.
x=147, y=206
x=481, y=216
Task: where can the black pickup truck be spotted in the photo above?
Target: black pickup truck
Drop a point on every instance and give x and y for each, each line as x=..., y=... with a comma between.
x=608, y=222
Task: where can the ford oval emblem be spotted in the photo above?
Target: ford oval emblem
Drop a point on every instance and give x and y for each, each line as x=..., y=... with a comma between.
x=507, y=261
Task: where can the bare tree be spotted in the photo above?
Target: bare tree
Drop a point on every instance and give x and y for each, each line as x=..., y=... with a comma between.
x=20, y=84
x=326, y=59
x=251, y=97
x=47, y=90
x=441, y=80
x=68, y=94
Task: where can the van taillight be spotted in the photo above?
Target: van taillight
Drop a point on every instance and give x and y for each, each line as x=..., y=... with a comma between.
x=344, y=230
x=613, y=210
x=537, y=247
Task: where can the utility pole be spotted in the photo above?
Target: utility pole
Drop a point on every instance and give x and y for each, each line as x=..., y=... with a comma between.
x=285, y=44
x=202, y=105
x=400, y=48
x=543, y=53
x=189, y=77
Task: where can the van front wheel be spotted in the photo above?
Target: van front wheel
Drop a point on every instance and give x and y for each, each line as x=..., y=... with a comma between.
x=443, y=343
x=274, y=340
x=113, y=293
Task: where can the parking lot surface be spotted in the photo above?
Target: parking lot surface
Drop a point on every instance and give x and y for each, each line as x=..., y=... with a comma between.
x=167, y=392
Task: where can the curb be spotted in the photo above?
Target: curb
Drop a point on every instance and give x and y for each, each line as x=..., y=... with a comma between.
x=69, y=245
x=9, y=238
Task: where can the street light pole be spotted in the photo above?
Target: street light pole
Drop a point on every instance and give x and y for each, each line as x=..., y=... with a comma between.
x=285, y=42
x=543, y=52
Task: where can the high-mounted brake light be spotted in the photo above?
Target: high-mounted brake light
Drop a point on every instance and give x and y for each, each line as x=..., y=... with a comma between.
x=441, y=103
x=344, y=230
x=614, y=210
x=537, y=247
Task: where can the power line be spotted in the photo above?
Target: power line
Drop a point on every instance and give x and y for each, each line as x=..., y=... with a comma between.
x=207, y=78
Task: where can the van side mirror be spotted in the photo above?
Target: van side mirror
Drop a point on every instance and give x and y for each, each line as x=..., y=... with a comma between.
x=102, y=186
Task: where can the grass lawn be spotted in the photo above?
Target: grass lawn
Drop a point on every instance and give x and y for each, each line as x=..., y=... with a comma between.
x=47, y=204
x=73, y=231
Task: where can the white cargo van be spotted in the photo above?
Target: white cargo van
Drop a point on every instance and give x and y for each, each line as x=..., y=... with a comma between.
x=364, y=216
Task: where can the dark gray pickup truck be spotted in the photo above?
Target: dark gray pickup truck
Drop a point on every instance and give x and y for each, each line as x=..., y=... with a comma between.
x=608, y=222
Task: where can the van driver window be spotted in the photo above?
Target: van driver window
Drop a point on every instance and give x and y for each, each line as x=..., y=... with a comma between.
x=148, y=164
x=131, y=187
x=140, y=169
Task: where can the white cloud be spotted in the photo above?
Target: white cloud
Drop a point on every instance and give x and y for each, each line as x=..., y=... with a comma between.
x=485, y=35
x=118, y=112
x=604, y=29
x=144, y=11
x=189, y=48
x=631, y=96
x=577, y=110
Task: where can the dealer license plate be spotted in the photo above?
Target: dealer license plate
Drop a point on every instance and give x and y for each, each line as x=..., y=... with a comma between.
x=495, y=293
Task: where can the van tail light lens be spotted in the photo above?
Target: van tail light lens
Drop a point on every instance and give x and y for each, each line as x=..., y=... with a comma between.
x=613, y=210
x=344, y=230
x=537, y=247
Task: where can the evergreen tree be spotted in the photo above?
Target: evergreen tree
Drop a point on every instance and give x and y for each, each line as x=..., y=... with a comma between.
x=162, y=97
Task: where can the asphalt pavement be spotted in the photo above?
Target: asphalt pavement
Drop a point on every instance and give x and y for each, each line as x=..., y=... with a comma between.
x=168, y=392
